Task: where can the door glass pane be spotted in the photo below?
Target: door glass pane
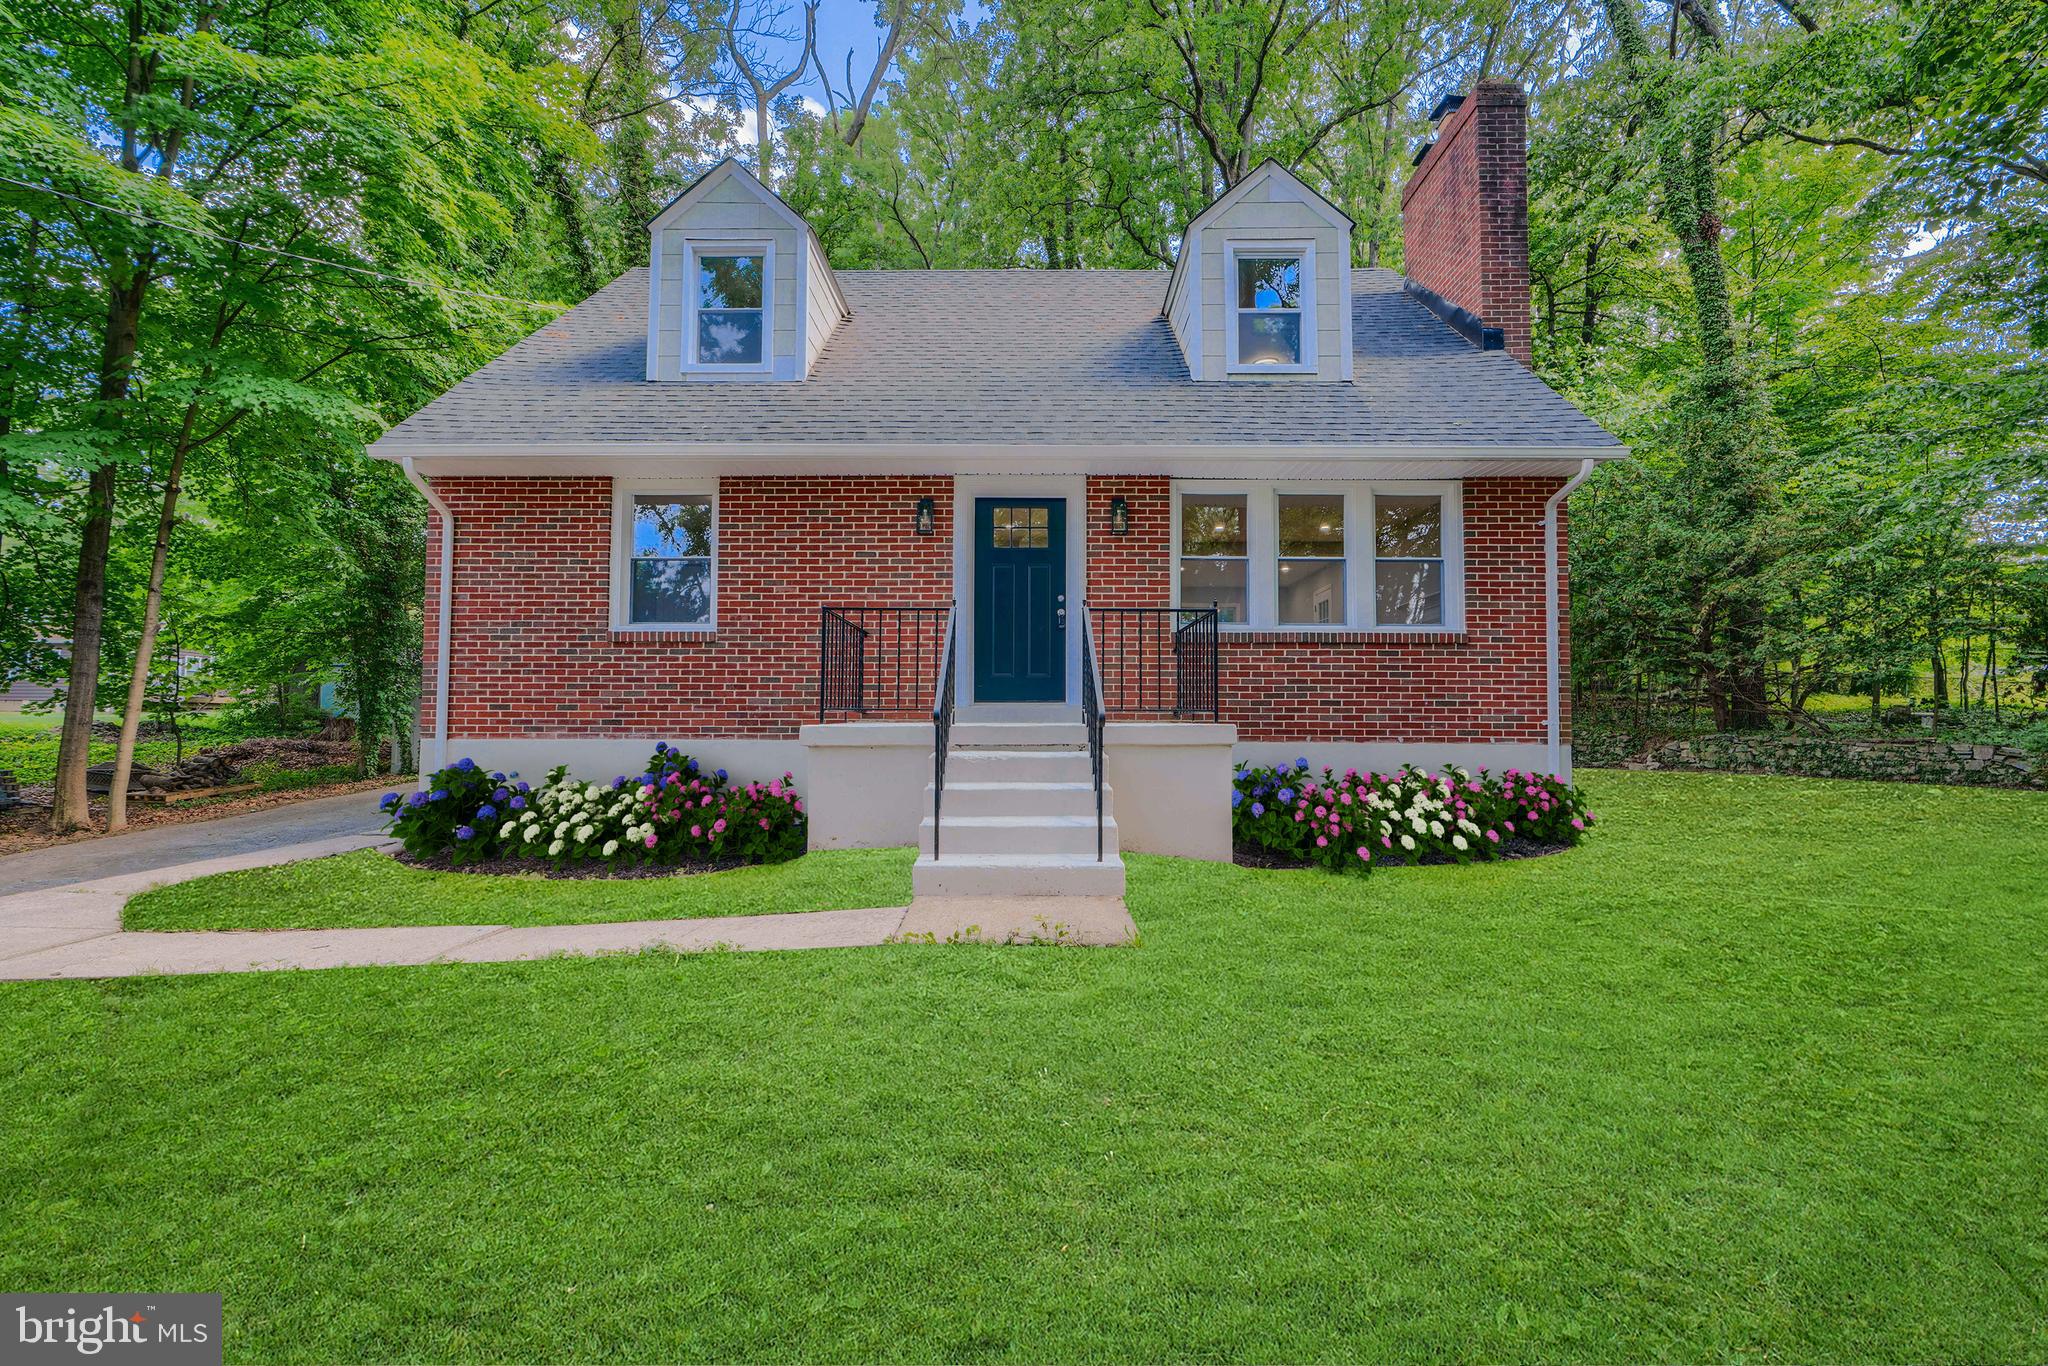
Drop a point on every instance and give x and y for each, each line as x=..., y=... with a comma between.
x=1021, y=528
x=1269, y=282
x=728, y=282
x=1222, y=582
x=727, y=336
x=1212, y=524
x=1409, y=592
x=1269, y=338
x=1408, y=524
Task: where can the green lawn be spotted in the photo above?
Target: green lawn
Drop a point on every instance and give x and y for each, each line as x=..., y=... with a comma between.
x=374, y=889
x=1760, y=1072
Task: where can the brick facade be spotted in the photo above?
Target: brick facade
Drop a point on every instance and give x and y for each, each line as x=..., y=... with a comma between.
x=1465, y=213
x=535, y=654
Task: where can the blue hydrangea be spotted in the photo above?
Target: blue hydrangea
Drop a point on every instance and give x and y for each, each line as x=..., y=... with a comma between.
x=500, y=795
x=387, y=801
x=486, y=812
x=1285, y=794
x=519, y=803
x=721, y=775
x=497, y=777
x=463, y=832
x=661, y=746
x=437, y=795
x=414, y=799
x=1258, y=808
x=524, y=788
x=690, y=765
x=618, y=782
x=1236, y=797
x=1301, y=764
x=466, y=765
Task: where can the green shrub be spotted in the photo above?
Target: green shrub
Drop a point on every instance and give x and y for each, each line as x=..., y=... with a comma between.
x=1354, y=820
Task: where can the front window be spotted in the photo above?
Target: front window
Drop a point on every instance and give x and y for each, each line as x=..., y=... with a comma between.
x=1311, y=559
x=1215, y=553
x=670, y=561
x=1269, y=310
x=731, y=322
x=1408, y=559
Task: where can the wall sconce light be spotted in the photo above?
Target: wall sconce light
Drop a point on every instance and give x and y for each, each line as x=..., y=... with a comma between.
x=1119, y=516
x=927, y=517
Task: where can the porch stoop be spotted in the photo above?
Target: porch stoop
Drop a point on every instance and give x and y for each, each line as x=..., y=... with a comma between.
x=1018, y=819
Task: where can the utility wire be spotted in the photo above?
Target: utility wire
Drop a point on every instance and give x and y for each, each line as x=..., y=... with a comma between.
x=276, y=251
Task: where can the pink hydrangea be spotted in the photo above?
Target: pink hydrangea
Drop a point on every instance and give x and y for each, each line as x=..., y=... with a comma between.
x=718, y=826
x=696, y=832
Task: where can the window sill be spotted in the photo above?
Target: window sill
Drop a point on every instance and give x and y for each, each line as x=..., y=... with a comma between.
x=1339, y=635
x=664, y=635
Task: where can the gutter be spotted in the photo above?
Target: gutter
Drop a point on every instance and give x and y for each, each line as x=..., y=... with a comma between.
x=445, y=619
x=1554, y=748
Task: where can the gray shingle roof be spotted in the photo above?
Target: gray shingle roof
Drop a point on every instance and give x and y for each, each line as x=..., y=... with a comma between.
x=1025, y=356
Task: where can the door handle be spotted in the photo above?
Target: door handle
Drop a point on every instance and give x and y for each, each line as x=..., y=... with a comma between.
x=1062, y=618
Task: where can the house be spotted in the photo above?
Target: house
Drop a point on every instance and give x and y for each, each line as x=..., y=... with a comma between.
x=796, y=519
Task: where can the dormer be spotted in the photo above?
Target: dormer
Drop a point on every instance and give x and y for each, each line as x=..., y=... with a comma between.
x=738, y=287
x=1262, y=286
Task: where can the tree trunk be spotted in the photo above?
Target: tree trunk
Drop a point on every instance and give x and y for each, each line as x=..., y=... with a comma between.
x=138, y=678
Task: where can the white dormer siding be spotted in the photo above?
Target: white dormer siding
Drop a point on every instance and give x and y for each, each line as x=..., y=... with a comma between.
x=727, y=246
x=1288, y=249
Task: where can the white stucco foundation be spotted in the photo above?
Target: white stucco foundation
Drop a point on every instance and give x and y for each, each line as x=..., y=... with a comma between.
x=1385, y=757
x=1172, y=786
x=865, y=782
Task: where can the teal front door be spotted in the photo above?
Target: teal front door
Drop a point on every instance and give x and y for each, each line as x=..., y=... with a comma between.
x=1020, y=600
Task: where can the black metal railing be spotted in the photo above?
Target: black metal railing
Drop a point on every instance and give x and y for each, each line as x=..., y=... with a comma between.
x=1158, y=661
x=942, y=724
x=880, y=660
x=1093, y=719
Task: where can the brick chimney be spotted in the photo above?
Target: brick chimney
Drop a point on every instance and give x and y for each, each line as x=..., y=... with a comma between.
x=1465, y=218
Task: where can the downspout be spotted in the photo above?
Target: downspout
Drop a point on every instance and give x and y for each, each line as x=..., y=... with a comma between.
x=446, y=617
x=1554, y=748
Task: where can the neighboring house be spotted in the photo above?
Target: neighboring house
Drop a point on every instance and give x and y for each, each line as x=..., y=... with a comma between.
x=741, y=502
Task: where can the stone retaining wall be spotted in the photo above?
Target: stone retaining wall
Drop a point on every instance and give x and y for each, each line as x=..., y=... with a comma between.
x=1817, y=756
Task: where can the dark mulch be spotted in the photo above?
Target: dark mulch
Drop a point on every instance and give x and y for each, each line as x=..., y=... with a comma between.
x=1254, y=856
x=536, y=868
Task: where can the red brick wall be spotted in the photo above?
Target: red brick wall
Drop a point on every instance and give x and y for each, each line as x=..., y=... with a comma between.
x=535, y=654
x=1484, y=684
x=1465, y=212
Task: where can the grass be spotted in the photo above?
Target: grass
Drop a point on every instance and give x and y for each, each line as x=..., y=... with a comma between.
x=28, y=743
x=1759, y=1072
x=368, y=888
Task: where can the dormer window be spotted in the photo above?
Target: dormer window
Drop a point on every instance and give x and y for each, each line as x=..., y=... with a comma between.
x=728, y=327
x=1272, y=325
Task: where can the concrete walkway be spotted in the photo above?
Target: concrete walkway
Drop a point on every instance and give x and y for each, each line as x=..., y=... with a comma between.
x=75, y=930
x=169, y=846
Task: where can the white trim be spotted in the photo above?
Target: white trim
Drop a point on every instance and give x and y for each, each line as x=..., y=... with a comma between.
x=1278, y=460
x=1262, y=545
x=1557, y=755
x=444, y=620
x=1305, y=252
x=623, y=493
x=967, y=488
x=654, y=310
x=726, y=244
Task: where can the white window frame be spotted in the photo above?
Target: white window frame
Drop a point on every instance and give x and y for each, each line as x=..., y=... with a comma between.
x=624, y=491
x=1306, y=251
x=1262, y=546
x=700, y=246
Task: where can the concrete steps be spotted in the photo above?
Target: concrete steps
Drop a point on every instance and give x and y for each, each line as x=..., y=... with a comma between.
x=1018, y=818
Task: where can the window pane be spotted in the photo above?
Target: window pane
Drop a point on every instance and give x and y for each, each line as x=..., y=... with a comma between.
x=1269, y=338
x=1311, y=592
x=672, y=591
x=1410, y=592
x=1312, y=524
x=1408, y=524
x=1221, y=582
x=669, y=528
x=729, y=336
x=1212, y=524
x=1269, y=282
x=728, y=282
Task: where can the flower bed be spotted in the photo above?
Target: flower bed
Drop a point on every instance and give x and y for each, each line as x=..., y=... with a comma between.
x=673, y=817
x=1286, y=815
